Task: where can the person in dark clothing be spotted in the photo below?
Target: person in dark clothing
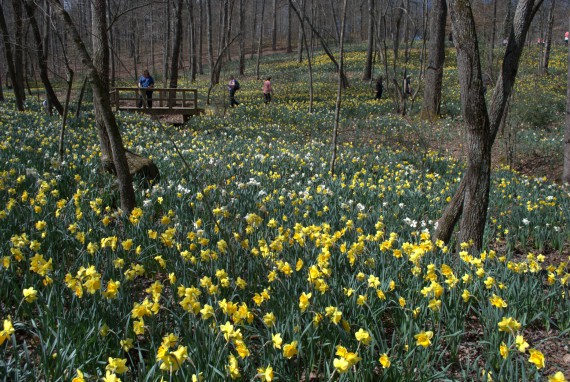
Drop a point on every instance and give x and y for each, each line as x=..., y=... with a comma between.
x=145, y=82
x=407, y=86
x=379, y=88
x=233, y=86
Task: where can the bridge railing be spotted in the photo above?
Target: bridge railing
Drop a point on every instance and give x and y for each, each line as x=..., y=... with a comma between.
x=165, y=99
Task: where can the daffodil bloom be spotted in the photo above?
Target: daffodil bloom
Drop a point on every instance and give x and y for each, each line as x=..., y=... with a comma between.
x=385, y=361
x=269, y=319
x=277, y=340
x=557, y=377
x=207, y=311
x=79, y=377
x=363, y=336
x=111, y=377
x=127, y=344
x=537, y=358
x=304, y=301
x=232, y=368
x=522, y=345
x=424, y=338
x=504, y=350
x=498, y=302
x=341, y=365
x=290, y=350
x=117, y=365
x=7, y=330
x=509, y=324
x=466, y=295
x=30, y=294
x=266, y=374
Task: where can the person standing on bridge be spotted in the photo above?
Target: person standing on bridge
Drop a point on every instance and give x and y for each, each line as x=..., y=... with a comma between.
x=145, y=82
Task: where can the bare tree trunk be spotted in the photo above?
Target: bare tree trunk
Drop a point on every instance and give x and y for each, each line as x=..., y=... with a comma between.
x=289, y=29
x=566, y=148
x=80, y=100
x=19, y=49
x=100, y=61
x=192, y=41
x=101, y=98
x=1, y=90
x=339, y=90
x=42, y=58
x=367, y=76
x=201, y=40
x=436, y=60
x=274, y=27
x=472, y=196
x=10, y=61
x=492, y=42
x=260, y=41
x=166, y=52
x=65, y=112
x=210, y=35
x=301, y=33
x=176, y=46
x=242, y=37
x=548, y=44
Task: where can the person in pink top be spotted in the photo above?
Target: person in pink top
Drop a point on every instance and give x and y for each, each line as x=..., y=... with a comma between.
x=267, y=90
x=566, y=36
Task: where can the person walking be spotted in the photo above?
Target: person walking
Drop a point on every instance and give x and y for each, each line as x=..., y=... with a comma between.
x=267, y=90
x=233, y=86
x=145, y=82
x=379, y=87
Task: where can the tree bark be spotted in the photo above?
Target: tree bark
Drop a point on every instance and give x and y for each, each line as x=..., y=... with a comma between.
x=192, y=45
x=548, y=43
x=242, y=37
x=10, y=61
x=566, y=148
x=289, y=29
x=260, y=41
x=367, y=75
x=436, y=59
x=42, y=52
x=274, y=27
x=472, y=196
x=1, y=90
x=339, y=90
x=101, y=99
x=19, y=85
x=176, y=46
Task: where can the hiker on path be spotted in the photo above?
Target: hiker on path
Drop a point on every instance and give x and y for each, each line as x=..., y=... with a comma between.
x=233, y=86
x=267, y=90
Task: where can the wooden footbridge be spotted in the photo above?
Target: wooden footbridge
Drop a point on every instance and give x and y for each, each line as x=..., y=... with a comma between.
x=164, y=101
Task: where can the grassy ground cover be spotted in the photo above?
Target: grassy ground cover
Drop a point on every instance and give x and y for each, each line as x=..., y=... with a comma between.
x=295, y=275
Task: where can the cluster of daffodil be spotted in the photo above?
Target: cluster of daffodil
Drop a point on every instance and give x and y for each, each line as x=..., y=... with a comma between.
x=293, y=274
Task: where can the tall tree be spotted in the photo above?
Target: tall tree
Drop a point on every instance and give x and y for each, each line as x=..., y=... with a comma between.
x=471, y=198
x=42, y=54
x=101, y=99
x=566, y=148
x=242, y=37
x=18, y=92
x=274, y=27
x=19, y=48
x=176, y=44
x=339, y=89
x=548, y=43
x=367, y=76
x=436, y=58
